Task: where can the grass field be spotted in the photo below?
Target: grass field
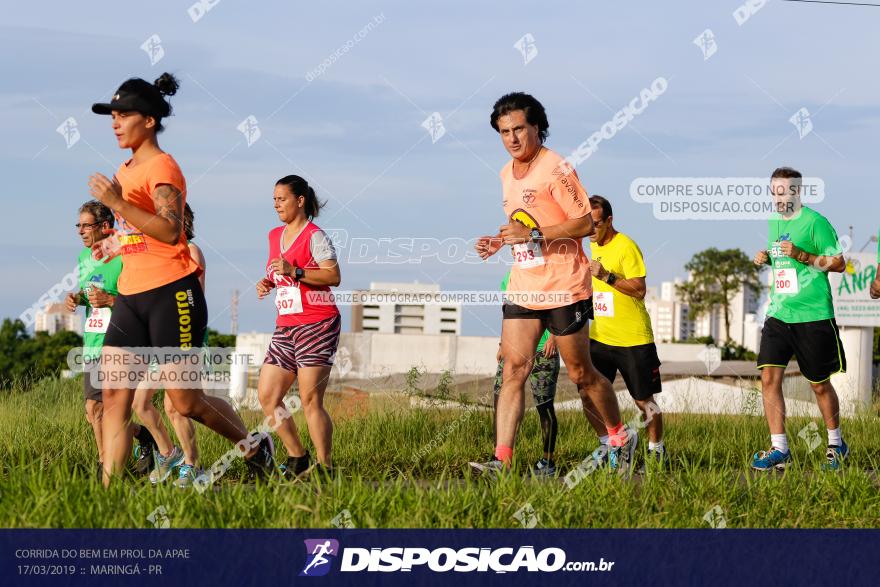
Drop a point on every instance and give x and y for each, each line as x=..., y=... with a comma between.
x=404, y=467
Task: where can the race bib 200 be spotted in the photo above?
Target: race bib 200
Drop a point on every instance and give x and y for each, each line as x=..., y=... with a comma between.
x=785, y=281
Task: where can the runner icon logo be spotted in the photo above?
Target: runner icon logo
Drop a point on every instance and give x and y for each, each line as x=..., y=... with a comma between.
x=153, y=48
x=802, y=122
x=250, y=128
x=706, y=42
x=318, y=552
x=434, y=125
x=527, y=47
x=70, y=131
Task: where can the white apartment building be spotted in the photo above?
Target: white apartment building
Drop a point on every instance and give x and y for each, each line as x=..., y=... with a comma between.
x=669, y=317
x=55, y=318
x=671, y=321
x=430, y=317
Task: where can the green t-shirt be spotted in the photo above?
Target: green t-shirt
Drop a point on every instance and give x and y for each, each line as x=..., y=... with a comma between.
x=98, y=274
x=544, y=338
x=801, y=293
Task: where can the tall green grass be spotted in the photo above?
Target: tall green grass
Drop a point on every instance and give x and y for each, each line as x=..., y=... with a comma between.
x=403, y=467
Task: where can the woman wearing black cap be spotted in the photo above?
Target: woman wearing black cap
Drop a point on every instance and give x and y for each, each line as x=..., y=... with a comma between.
x=161, y=303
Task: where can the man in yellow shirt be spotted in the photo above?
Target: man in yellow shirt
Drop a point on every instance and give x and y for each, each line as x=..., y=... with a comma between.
x=621, y=338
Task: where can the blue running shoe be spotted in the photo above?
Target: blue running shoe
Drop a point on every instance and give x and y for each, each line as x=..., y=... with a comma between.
x=771, y=459
x=165, y=465
x=187, y=475
x=621, y=458
x=600, y=456
x=835, y=455
x=544, y=469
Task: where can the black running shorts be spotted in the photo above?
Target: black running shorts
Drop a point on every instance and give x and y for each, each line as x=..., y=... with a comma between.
x=638, y=365
x=559, y=321
x=172, y=315
x=815, y=345
x=90, y=391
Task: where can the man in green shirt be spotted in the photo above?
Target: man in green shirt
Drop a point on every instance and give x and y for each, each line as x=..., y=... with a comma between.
x=97, y=282
x=802, y=247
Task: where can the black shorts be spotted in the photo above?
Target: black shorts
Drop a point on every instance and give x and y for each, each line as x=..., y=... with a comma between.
x=638, y=365
x=172, y=315
x=815, y=345
x=90, y=392
x=559, y=321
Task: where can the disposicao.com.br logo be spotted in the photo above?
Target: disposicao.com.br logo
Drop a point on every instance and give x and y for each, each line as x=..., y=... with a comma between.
x=443, y=560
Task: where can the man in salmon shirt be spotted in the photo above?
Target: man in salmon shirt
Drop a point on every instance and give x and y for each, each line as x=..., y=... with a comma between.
x=548, y=213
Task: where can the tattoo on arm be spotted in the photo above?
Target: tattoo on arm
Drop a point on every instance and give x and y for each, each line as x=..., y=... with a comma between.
x=169, y=205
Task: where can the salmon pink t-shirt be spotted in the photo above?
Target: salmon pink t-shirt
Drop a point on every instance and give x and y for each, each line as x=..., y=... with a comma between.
x=548, y=195
x=148, y=263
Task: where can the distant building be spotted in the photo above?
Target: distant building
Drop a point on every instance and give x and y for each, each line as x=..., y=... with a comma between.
x=425, y=315
x=671, y=320
x=743, y=321
x=744, y=328
x=669, y=316
x=55, y=318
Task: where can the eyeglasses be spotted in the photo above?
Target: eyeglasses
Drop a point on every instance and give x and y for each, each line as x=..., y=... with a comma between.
x=79, y=226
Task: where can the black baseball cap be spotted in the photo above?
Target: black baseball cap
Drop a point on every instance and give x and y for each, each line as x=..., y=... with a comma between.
x=136, y=95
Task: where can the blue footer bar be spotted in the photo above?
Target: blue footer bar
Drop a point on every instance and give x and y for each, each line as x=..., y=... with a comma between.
x=418, y=557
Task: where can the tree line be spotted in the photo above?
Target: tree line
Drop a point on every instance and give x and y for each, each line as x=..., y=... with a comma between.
x=25, y=357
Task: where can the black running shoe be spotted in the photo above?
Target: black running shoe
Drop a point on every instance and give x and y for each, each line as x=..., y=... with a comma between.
x=144, y=452
x=294, y=467
x=262, y=464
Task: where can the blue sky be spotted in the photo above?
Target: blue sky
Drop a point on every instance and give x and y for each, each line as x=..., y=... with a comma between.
x=355, y=132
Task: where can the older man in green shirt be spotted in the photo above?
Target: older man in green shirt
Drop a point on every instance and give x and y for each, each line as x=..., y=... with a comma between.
x=97, y=282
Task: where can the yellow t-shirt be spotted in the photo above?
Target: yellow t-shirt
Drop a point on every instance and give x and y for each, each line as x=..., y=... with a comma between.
x=620, y=320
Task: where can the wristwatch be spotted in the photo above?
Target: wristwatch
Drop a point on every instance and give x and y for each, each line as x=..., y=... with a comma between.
x=536, y=235
x=298, y=273
x=611, y=278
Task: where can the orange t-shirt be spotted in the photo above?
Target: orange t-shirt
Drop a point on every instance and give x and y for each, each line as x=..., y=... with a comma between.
x=547, y=196
x=146, y=262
